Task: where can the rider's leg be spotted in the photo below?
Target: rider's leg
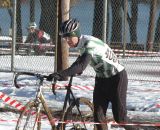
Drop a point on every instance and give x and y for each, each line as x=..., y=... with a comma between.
x=100, y=105
x=119, y=101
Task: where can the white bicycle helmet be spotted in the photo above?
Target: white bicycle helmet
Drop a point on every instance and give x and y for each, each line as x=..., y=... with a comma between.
x=70, y=28
x=32, y=25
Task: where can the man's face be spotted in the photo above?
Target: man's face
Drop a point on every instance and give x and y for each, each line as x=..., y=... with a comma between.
x=31, y=30
x=72, y=41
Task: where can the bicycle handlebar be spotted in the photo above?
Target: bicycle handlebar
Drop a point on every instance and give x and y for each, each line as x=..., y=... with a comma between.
x=39, y=76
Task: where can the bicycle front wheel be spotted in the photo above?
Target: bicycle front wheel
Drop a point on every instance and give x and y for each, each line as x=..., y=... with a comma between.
x=78, y=116
x=31, y=118
x=28, y=118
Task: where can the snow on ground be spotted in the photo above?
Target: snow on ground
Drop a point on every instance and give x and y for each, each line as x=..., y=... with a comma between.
x=141, y=96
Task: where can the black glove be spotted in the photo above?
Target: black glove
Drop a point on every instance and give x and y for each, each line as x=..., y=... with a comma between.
x=79, y=73
x=55, y=76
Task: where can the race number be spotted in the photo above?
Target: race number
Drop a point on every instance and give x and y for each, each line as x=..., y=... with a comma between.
x=110, y=55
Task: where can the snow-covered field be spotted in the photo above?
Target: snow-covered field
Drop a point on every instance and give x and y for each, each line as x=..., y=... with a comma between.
x=141, y=96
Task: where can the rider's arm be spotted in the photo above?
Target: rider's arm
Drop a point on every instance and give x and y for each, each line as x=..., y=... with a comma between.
x=78, y=66
x=43, y=37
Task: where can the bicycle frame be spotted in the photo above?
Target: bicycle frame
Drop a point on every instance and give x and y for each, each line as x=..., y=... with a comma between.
x=40, y=99
x=69, y=98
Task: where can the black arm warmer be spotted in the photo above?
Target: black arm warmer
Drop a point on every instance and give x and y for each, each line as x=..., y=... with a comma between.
x=78, y=66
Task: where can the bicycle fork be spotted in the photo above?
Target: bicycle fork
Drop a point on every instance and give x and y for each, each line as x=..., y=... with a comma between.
x=41, y=103
x=48, y=112
x=38, y=118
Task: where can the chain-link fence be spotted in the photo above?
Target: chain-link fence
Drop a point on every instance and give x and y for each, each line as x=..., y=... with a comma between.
x=130, y=27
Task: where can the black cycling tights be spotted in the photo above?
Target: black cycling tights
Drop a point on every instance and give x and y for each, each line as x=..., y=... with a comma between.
x=112, y=90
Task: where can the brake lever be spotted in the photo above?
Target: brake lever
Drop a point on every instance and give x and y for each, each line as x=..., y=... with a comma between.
x=54, y=87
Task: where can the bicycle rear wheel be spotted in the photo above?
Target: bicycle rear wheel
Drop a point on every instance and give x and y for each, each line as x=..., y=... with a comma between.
x=74, y=120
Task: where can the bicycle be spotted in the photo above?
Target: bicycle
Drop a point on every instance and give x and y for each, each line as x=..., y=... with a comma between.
x=72, y=117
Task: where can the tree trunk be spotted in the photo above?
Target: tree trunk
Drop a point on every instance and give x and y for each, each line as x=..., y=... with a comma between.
x=62, y=47
x=19, y=25
x=58, y=54
x=133, y=23
x=108, y=19
x=65, y=6
x=32, y=10
x=157, y=35
x=48, y=17
x=151, y=25
x=10, y=12
x=116, y=33
x=98, y=19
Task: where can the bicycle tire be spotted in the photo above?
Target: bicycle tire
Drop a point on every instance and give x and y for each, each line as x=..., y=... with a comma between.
x=71, y=119
x=29, y=118
x=24, y=120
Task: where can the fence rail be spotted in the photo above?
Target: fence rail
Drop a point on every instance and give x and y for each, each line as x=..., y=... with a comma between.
x=135, y=20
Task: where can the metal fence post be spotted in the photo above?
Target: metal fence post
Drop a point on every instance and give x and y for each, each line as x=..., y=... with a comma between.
x=56, y=40
x=13, y=35
x=104, y=20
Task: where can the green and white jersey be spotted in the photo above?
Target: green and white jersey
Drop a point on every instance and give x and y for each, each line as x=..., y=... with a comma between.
x=104, y=61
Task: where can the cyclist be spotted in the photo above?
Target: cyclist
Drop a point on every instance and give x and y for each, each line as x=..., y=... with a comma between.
x=36, y=36
x=111, y=78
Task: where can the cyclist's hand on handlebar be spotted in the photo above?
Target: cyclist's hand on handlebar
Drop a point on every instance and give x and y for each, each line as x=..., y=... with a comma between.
x=55, y=76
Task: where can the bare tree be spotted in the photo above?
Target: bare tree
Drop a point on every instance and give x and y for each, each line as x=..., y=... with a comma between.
x=151, y=25
x=62, y=47
x=48, y=17
x=116, y=34
x=10, y=12
x=19, y=24
x=65, y=6
x=157, y=35
x=32, y=10
x=133, y=22
x=98, y=19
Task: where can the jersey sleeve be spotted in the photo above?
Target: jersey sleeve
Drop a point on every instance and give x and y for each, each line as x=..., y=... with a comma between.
x=78, y=66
